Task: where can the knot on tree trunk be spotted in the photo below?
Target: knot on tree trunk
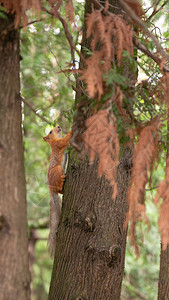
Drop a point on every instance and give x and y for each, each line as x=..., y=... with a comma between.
x=4, y=225
x=85, y=222
x=109, y=255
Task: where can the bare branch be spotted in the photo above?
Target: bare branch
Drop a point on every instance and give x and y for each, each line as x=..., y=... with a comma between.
x=153, y=188
x=32, y=22
x=136, y=291
x=142, y=24
x=149, y=53
x=155, y=11
x=113, y=6
x=69, y=37
x=57, y=61
x=34, y=111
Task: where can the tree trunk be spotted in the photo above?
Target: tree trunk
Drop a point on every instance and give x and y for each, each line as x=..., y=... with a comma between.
x=163, y=284
x=14, y=267
x=91, y=239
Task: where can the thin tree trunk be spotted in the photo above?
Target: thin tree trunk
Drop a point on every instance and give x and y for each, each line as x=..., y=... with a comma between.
x=14, y=267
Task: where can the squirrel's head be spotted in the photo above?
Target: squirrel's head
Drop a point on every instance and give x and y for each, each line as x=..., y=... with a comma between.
x=53, y=135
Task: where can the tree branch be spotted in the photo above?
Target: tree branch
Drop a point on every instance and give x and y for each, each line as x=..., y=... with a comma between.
x=135, y=290
x=113, y=6
x=143, y=25
x=34, y=111
x=153, y=188
x=57, y=61
x=32, y=22
x=155, y=11
x=69, y=37
x=149, y=53
x=97, y=4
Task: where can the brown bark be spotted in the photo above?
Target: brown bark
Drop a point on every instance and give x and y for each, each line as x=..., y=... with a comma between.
x=163, y=284
x=91, y=239
x=89, y=258
x=14, y=267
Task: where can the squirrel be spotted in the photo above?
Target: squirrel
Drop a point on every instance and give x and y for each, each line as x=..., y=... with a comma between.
x=56, y=179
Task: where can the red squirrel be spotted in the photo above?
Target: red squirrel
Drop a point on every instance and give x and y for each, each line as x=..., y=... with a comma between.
x=56, y=179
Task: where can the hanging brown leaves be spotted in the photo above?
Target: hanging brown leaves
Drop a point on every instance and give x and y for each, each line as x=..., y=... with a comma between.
x=100, y=138
x=145, y=153
x=20, y=7
x=110, y=36
x=124, y=38
x=118, y=99
x=99, y=27
x=93, y=75
x=136, y=6
x=69, y=11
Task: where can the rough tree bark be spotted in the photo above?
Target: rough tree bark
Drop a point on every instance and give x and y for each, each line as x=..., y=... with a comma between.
x=91, y=239
x=14, y=267
x=163, y=283
x=89, y=259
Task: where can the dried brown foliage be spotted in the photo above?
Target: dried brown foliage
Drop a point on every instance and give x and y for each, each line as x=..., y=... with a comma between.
x=145, y=154
x=118, y=99
x=69, y=11
x=110, y=36
x=94, y=75
x=136, y=6
x=20, y=7
x=101, y=139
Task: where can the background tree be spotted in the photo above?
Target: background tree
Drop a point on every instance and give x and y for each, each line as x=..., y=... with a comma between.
x=14, y=274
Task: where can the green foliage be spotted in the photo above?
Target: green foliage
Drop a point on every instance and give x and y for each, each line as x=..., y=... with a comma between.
x=115, y=77
x=141, y=274
x=2, y=13
x=88, y=51
x=44, y=51
x=42, y=268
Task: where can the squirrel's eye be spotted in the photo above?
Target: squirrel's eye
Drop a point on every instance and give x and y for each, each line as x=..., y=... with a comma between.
x=50, y=132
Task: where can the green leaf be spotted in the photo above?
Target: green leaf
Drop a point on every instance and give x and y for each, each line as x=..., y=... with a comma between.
x=2, y=8
x=88, y=51
x=3, y=16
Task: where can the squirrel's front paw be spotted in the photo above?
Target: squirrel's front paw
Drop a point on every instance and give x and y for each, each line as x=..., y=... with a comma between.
x=63, y=177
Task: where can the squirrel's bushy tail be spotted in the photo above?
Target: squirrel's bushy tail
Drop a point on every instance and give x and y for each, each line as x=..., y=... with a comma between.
x=55, y=211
